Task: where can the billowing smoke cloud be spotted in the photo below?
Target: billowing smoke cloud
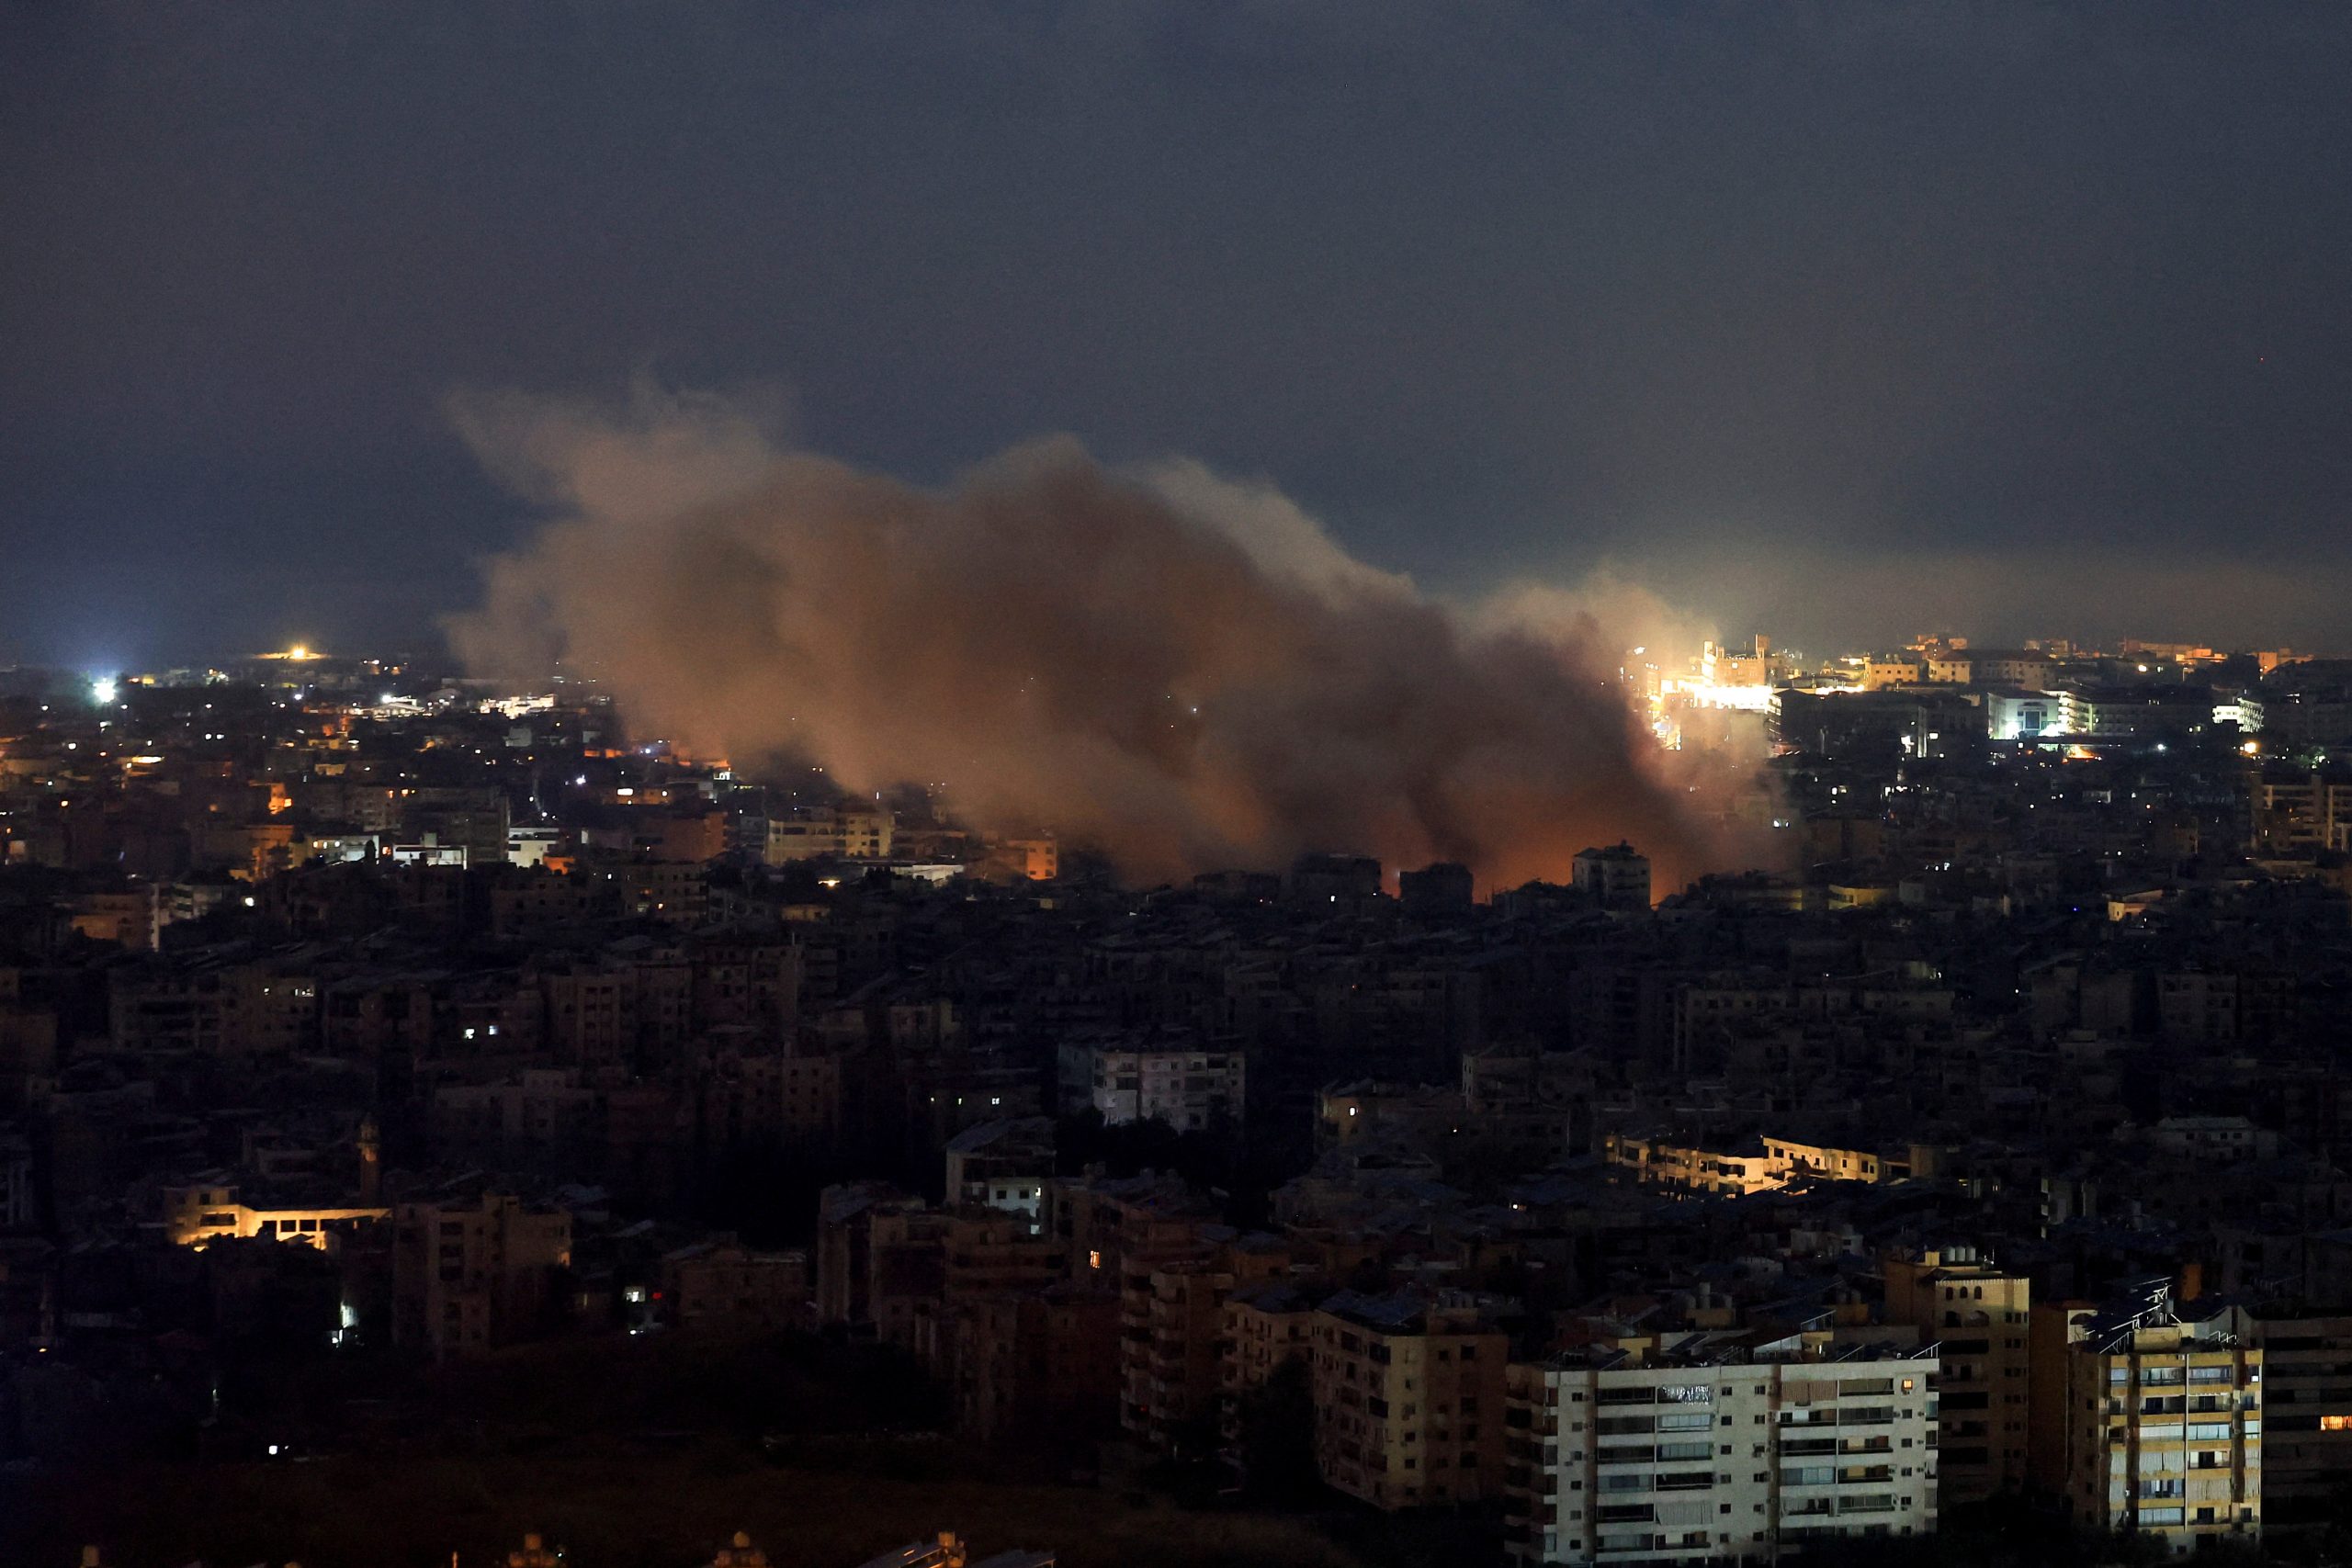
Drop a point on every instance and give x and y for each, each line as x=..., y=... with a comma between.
x=1186, y=672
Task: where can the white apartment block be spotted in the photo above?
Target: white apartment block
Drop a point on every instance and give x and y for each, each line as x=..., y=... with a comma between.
x=1711, y=1448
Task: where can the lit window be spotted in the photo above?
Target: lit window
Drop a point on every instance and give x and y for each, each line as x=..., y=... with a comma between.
x=2335, y=1422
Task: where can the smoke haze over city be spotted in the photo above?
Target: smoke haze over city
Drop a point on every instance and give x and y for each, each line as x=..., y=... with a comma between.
x=1185, y=671
x=1155, y=783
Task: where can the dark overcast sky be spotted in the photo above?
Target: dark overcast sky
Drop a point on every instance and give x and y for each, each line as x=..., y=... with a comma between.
x=1835, y=320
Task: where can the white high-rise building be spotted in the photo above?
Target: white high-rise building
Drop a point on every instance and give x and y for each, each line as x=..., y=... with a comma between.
x=1713, y=1447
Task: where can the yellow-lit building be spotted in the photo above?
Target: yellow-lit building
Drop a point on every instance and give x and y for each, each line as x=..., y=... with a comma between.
x=1880, y=674
x=1035, y=859
x=2162, y=1421
x=1761, y=1164
x=206, y=1209
x=1719, y=1172
x=1408, y=1398
x=1978, y=1317
x=1830, y=1163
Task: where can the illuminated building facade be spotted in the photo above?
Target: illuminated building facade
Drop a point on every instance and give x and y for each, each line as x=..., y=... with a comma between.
x=206, y=1209
x=849, y=831
x=1712, y=1447
x=1978, y=1316
x=2161, y=1420
x=1408, y=1398
x=1615, y=878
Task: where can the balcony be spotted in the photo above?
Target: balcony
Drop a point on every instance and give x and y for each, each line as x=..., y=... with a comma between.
x=1616, y=1544
x=1877, y=1503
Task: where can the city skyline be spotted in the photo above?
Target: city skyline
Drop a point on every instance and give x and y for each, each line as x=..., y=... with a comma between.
x=1319, y=783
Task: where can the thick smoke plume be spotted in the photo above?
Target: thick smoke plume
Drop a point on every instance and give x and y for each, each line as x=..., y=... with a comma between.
x=1186, y=671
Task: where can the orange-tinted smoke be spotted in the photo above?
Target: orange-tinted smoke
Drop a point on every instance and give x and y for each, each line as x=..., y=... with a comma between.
x=1185, y=672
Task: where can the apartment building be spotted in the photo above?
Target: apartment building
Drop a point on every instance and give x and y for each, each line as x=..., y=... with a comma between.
x=1759, y=1165
x=1267, y=1328
x=1172, y=1347
x=587, y=1017
x=2162, y=1419
x=1171, y=1351
x=1715, y=1447
x=238, y=1010
x=474, y=1271
x=2298, y=811
x=1878, y=674
x=1978, y=1316
x=1182, y=1083
x=208, y=1207
x=1042, y=1364
x=748, y=1096
x=2307, y=1424
x=850, y=830
x=1616, y=877
x=1004, y=1164
x=1727, y=1172
x=1409, y=1397
x=722, y=1286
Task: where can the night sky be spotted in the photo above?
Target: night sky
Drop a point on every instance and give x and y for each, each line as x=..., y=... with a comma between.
x=1840, y=321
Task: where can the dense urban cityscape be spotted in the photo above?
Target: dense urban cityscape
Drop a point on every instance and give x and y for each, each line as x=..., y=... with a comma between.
x=381, y=1048
x=1151, y=784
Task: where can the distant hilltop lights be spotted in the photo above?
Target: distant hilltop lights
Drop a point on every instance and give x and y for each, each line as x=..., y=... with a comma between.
x=300, y=653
